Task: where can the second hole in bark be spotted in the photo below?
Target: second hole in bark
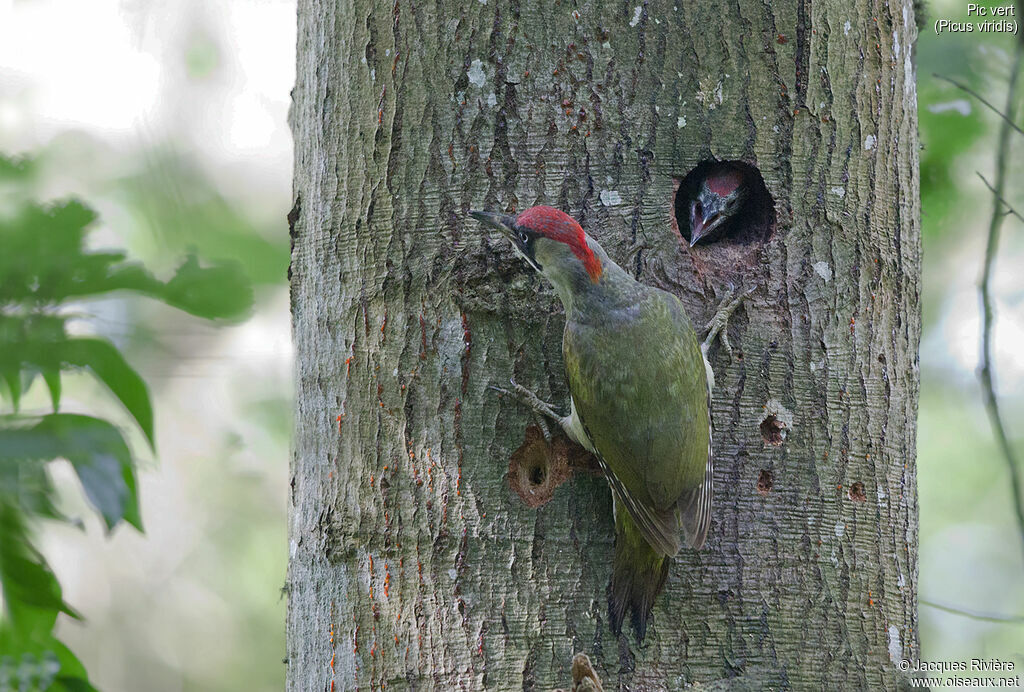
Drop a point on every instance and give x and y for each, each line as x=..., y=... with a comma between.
x=771, y=430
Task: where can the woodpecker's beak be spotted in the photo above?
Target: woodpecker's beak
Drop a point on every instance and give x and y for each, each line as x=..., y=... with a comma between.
x=521, y=238
x=502, y=222
x=703, y=221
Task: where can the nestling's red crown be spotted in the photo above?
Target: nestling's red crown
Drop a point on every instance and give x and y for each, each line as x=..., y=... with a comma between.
x=725, y=183
x=555, y=224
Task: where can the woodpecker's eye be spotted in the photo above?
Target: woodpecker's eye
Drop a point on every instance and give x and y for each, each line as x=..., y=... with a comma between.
x=523, y=236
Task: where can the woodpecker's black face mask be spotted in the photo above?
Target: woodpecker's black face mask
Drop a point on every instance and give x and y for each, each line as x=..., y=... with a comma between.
x=522, y=239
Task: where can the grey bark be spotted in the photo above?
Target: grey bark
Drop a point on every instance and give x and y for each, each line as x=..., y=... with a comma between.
x=414, y=564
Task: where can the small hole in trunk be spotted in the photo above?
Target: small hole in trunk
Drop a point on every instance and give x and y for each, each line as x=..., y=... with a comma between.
x=771, y=430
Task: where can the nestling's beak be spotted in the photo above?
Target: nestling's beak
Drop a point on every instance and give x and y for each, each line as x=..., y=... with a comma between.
x=703, y=221
x=521, y=238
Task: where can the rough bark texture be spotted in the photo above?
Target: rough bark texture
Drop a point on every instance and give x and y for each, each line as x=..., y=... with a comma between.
x=414, y=564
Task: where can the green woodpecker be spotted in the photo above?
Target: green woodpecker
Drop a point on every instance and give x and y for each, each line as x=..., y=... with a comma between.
x=639, y=400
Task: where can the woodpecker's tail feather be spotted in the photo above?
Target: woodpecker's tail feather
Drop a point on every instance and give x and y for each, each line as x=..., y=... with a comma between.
x=638, y=575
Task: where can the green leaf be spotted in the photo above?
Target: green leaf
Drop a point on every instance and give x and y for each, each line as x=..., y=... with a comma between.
x=44, y=256
x=13, y=380
x=24, y=481
x=110, y=367
x=102, y=461
x=131, y=276
x=182, y=209
x=219, y=292
x=38, y=661
x=28, y=345
x=19, y=169
x=52, y=379
x=28, y=443
x=32, y=595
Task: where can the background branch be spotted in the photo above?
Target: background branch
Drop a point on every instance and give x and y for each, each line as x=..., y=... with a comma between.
x=971, y=613
x=1009, y=209
x=1007, y=117
x=984, y=285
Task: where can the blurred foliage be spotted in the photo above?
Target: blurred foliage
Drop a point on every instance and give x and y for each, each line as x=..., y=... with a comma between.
x=954, y=126
x=946, y=132
x=46, y=265
x=179, y=207
x=968, y=554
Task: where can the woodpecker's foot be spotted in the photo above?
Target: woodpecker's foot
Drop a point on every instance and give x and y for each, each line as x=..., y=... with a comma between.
x=718, y=328
x=538, y=406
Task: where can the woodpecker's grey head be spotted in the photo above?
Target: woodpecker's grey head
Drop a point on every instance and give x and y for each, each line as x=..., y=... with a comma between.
x=552, y=242
x=720, y=196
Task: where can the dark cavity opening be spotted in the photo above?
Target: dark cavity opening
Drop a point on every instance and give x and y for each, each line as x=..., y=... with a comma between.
x=750, y=221
x=538, y=466
x=771, y=430
x=857, y=493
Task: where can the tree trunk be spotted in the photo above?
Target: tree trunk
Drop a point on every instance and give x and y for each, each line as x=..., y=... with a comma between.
x=416, y=560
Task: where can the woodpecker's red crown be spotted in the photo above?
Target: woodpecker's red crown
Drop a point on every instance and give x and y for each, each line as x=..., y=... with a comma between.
x=555, y=224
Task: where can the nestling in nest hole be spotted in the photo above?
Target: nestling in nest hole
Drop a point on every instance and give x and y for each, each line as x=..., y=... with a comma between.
x=723, y=202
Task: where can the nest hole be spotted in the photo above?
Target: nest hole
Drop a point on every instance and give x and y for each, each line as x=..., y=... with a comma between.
x=857, y=493
x=753, y=223
x=765, y=482
x=538, y=467
x=771, y=430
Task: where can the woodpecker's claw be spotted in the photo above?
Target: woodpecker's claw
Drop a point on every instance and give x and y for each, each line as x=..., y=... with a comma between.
x=530, y=399
x=538, y=406
x=718, y=328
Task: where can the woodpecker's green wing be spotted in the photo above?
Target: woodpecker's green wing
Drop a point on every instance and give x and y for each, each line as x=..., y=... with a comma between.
x=639, y=388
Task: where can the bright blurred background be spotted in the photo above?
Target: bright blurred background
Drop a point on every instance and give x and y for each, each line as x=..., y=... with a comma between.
x=169, y=118
x=970, y=547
